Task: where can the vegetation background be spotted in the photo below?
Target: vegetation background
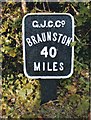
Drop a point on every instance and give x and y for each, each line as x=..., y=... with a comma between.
x=20, y=96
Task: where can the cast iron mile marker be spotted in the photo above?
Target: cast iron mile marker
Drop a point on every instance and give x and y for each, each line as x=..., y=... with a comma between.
x=47, y=49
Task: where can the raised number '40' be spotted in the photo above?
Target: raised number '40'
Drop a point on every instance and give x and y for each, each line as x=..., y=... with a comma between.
x=52, y=52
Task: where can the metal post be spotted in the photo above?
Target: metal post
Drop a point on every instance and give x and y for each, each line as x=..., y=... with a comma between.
x=48, y=90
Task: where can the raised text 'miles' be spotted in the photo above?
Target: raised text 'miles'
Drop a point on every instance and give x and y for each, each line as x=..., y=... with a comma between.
x=47, y=37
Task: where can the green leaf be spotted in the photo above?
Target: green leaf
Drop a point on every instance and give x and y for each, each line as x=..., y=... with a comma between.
x=73, y=43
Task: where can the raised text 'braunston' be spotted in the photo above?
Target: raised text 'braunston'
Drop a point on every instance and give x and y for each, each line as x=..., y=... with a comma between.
x=48, y=37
